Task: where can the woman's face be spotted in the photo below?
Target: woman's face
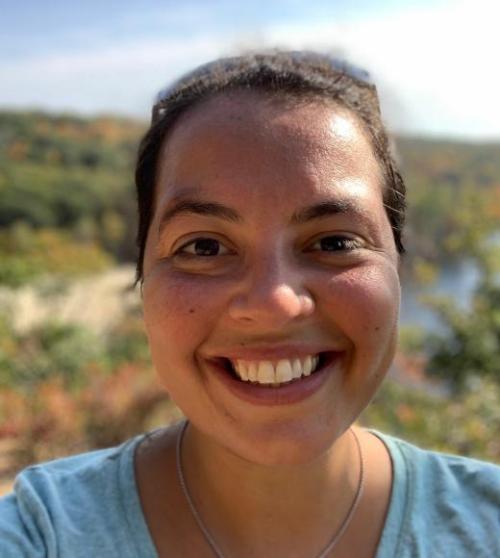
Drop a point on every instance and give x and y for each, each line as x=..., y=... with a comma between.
x=270, y=243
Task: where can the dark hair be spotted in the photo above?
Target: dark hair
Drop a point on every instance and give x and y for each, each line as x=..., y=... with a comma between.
x=292, y=75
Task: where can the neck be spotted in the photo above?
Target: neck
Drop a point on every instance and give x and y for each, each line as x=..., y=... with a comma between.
x=247, y=505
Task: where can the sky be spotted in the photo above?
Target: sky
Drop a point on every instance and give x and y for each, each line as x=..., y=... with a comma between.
x=434, y=61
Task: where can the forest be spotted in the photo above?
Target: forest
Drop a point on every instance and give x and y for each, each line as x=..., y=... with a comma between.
x=68, y=211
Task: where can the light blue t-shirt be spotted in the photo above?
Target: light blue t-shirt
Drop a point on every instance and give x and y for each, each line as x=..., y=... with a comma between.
x=88, y=506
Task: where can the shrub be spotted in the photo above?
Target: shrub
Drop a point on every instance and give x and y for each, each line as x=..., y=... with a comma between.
x=54, y=421
x=26, y=254
x=468, y=424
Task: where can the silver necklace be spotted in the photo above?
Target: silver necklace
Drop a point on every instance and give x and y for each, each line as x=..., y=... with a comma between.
x=208, y=536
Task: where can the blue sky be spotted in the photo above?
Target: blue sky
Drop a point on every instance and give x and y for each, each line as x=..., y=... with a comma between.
x=434, y=61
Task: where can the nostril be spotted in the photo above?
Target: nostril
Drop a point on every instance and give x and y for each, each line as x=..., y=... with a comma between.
x=276, y=307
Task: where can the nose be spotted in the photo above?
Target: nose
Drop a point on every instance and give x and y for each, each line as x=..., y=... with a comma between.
x=272, y=295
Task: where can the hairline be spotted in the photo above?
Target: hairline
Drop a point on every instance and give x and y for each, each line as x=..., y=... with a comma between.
x=272, y=96
x=188, y=96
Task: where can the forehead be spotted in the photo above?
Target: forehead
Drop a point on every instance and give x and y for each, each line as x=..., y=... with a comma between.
x=249, y=140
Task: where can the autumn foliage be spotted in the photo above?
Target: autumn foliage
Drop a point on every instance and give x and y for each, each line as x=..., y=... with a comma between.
x=68, y=208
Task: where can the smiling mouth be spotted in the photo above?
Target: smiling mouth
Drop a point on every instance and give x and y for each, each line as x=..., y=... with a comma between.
x=277, y=373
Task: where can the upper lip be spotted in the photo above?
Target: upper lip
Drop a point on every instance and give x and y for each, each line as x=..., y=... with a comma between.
x=276, y=352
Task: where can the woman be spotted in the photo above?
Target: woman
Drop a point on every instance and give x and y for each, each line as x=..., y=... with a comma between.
x=271, y=214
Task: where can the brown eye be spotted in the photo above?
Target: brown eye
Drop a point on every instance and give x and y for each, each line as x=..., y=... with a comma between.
x=203, y=247
x=336, y=243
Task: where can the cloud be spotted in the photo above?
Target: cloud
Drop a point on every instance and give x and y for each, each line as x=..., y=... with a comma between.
x=437, y=62
x=435, y=65
x=121, y=78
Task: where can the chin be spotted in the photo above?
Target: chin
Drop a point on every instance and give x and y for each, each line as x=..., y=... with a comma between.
x=285, y=445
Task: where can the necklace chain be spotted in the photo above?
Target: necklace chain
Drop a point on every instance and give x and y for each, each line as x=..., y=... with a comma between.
x=208, y=535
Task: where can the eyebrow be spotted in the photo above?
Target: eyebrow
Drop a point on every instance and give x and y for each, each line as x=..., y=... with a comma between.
x=326, y=209
x=198, y=207
x=215, y=209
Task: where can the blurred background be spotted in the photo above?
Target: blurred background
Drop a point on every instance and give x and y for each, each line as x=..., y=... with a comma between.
x=78, y=82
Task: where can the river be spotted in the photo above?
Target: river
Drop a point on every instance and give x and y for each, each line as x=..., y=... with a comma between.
x=457, y=281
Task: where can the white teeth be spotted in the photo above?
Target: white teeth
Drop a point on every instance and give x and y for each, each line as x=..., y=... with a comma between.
x=307, y=366
x=242, y=370
x=297, y=368
x=252, y=371
x=265, y=373
x=283, y=371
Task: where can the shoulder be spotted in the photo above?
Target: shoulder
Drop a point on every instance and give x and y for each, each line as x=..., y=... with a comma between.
x=57, y=504
x=435, y=474
x=443, y=505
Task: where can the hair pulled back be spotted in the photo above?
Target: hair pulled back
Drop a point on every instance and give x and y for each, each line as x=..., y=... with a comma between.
x=297, y=75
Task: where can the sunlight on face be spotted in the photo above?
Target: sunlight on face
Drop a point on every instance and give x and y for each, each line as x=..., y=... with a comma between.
x=269, y=232
x=343, y=127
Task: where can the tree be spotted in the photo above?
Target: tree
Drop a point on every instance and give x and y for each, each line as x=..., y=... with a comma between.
x=472, y=347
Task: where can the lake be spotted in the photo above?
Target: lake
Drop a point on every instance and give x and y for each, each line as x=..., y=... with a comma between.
x=457, y=281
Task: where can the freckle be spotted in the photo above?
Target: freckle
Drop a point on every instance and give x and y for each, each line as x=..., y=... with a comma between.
x=377, y=328
x=191, y=310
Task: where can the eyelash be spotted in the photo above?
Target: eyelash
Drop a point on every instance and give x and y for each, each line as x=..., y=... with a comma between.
x=181, y=250
x=350, y=244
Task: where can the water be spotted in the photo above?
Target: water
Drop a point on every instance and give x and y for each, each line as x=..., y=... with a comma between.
x=458, y=282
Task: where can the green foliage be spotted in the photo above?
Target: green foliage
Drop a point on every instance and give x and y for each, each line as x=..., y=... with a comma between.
x=67, y=199
x=47, y=196
x=26, y=254
x=471, y=347
x=105, y=411
x=127, y=342
x=63, y=171
x=28, y=359
x=425, y=273
x=411, y=339
x=65, y=389
x=453, y=196
x=65, y=351
x=68, y=140
x=466, y=424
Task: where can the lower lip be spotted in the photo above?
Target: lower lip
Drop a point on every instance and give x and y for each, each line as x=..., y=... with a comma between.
x=294, y=392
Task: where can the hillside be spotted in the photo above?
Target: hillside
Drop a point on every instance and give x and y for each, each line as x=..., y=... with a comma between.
x=75, y=176
x=75, y=370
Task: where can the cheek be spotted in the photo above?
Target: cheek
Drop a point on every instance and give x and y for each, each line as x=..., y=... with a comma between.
x=364, y=305
x=178, y=314
x=365, y=301
x=179, y=309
